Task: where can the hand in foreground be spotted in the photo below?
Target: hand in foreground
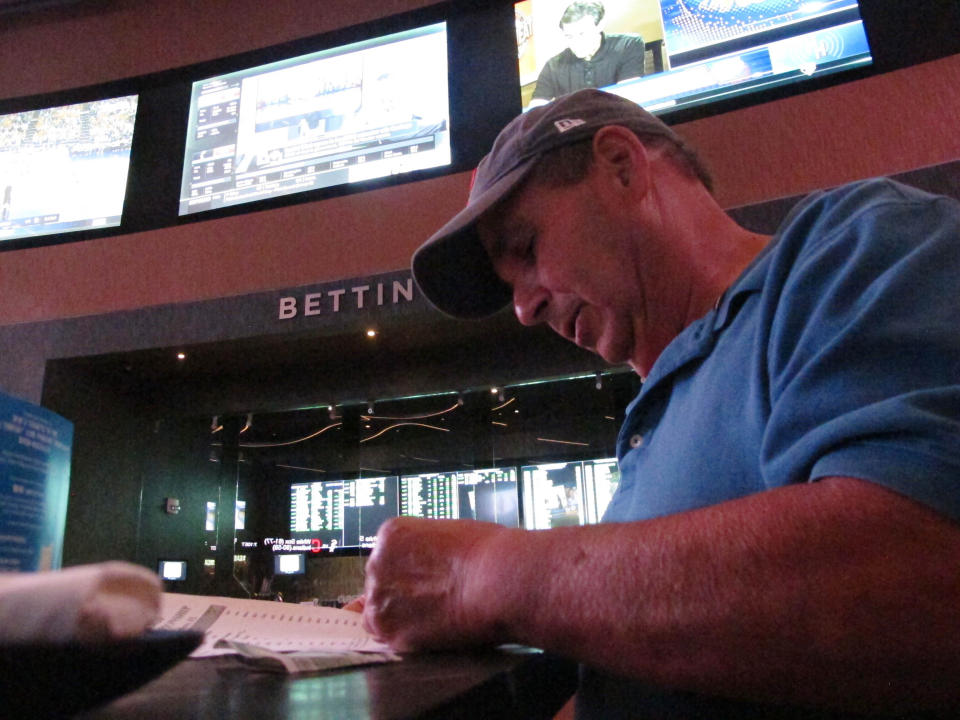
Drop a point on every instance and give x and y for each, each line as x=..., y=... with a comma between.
x=355, y=605
x=432, y=584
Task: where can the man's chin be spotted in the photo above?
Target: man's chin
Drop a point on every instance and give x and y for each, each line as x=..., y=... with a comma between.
x=613, y=354
x=638, y=369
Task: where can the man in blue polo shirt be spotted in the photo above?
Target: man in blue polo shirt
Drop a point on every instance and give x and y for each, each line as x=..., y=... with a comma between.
x=785, y=531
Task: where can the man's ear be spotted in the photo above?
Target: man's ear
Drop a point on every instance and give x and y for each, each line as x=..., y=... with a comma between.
x=620, y=153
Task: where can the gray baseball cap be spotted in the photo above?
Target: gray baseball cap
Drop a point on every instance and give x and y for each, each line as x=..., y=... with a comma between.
x=452, y=268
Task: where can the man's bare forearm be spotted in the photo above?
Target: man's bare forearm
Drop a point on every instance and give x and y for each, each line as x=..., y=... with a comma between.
x=834, y=593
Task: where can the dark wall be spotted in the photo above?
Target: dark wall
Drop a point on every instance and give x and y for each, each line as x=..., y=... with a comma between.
x=126, y=462
x=106, y=471
x=178, y=463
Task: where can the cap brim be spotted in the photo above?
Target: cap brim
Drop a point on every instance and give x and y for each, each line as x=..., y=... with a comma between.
x=452, y=268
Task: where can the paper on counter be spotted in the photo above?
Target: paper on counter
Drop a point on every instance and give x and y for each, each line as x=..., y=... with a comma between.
x=101, y=601
x=303, y=661
x=273, y=626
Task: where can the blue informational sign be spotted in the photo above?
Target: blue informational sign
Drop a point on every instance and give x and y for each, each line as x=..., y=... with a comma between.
x=35, y=446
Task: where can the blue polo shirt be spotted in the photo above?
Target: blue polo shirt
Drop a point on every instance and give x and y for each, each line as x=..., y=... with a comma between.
x=836, y=352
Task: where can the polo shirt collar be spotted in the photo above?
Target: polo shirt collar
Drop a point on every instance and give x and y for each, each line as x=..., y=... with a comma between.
x=750, y=280
x=697, y=340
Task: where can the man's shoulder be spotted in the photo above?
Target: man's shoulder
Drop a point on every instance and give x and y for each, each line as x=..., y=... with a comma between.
x=624, y=37
x=562, y=58
x=851, y=203
x=870, y=223
x=623, y=41
x=865, y=194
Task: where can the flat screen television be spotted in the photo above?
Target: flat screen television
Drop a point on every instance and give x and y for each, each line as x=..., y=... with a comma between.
x=695, y=51
x=173, y=570
x=64, y=168
x=333, y=515
x=342, y=115
x=567, y=493
x=489, y=495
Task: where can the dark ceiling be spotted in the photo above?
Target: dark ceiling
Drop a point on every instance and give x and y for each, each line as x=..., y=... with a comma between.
x=301, y=370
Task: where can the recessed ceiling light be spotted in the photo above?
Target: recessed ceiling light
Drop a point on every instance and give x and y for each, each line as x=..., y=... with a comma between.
x=181, y=356
x=371, y=333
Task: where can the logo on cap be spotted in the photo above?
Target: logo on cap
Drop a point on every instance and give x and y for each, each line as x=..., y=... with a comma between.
x=568, y=123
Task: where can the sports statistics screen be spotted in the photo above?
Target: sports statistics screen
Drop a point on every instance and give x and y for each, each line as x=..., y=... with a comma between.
x=343, y=115
x=489, y=495
x=337, y=514
x=342, y=513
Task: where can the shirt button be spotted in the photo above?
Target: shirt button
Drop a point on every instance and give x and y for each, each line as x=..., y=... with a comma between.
x=636, y=440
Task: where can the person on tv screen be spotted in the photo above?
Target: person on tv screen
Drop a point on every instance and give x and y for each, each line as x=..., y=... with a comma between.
x=592, y=58
x=787, y=524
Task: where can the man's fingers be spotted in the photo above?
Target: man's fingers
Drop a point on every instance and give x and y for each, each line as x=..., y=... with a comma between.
x=356, y=605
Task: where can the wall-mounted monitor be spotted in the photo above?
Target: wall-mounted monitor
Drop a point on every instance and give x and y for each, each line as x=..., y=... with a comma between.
x=172, y=570
x=342, y=115
x=333, y=515
x=567, y=493
x=489, y=495
x=64, y=168
x=414, y=95
x=668, y=55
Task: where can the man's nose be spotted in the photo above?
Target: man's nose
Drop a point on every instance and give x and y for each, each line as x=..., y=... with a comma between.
x=530, y=302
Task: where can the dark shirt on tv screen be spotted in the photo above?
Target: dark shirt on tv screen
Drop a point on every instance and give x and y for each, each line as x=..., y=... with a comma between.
x=620, y=57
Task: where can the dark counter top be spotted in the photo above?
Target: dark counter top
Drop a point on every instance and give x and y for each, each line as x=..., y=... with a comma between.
x=505, y=683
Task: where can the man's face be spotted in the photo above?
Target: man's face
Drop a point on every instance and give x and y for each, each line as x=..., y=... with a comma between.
x=583, y=37
x=570, y=255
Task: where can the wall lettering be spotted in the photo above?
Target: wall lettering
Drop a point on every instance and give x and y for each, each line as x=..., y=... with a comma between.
x=357, y=297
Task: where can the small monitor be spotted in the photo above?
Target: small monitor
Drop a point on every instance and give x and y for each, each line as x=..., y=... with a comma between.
x=342, y=115
x=173, y=570
x=293, y=564
x=64, y=168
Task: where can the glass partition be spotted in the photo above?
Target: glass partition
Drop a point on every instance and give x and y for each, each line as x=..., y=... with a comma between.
x=293, y=499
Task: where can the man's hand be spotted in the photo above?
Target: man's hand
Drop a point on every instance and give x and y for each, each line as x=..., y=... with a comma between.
x=355, y=605
x=430, y=584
